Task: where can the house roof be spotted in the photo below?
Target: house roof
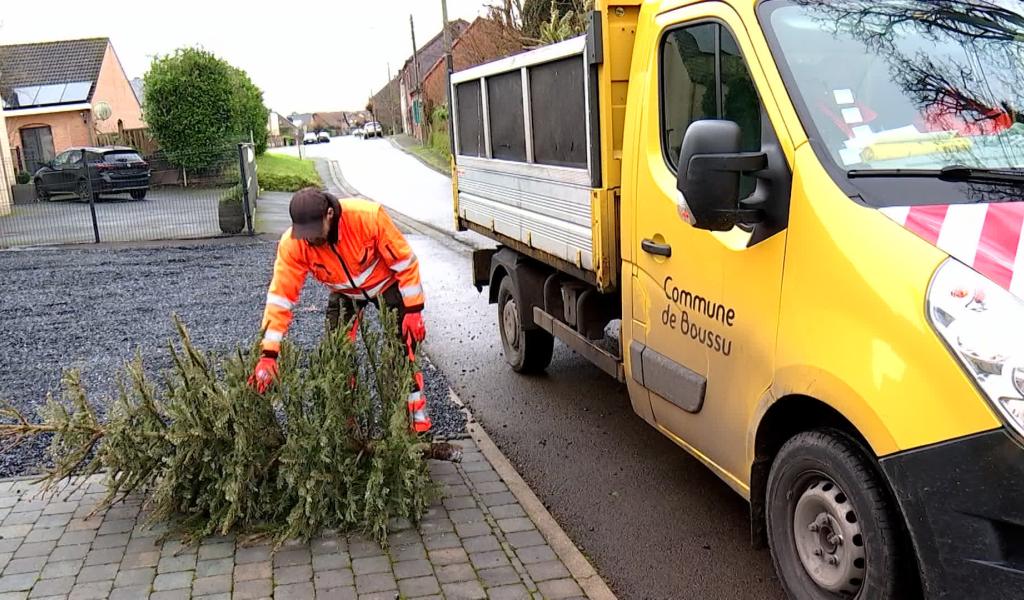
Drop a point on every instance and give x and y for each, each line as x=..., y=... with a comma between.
x=433, y=50
x=50, y=73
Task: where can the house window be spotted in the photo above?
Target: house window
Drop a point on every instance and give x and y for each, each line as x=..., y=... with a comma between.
x=37, y=143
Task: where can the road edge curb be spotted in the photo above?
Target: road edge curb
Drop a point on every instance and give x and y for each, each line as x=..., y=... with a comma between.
x=593, y=585
x=425, y=162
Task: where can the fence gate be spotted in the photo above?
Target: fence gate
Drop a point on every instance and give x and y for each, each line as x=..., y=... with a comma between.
x=117, y=194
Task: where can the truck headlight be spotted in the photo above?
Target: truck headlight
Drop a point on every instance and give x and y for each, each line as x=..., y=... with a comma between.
x=983, y=325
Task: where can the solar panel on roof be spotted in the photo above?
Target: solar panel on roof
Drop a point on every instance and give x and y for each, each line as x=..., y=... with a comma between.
x=26, y=96
x=49, y=94
x=76, y=91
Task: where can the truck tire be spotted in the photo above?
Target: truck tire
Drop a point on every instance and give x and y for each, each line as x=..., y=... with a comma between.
x=832, y=526
x=526, y=350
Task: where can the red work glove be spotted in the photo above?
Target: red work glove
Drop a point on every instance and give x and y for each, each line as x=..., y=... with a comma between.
x=264, y=374
x=413, y=327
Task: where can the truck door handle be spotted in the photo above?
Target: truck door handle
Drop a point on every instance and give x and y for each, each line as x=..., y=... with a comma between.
x=651, y=247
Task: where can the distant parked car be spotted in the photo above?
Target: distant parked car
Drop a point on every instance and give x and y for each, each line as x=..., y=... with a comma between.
x=372, y=129
x=323, y=137
x=310, y=138
x=358, y=132
x=101, y=170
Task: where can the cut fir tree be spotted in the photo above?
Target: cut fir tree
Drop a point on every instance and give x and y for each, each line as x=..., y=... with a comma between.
x=327, y=447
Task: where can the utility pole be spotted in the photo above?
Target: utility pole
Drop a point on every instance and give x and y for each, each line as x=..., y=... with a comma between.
x=416, y=72
x=448, y=73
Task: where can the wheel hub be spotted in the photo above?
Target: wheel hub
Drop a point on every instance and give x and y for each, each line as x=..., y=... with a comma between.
x=510, y=323
x=828, y=538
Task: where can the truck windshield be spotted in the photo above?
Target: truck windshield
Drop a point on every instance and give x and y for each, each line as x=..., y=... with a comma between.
x=889, y=85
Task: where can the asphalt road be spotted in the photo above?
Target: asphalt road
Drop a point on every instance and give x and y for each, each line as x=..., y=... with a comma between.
x=655, y=522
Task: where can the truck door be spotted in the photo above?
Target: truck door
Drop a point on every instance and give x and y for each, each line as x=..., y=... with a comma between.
x=710, y=300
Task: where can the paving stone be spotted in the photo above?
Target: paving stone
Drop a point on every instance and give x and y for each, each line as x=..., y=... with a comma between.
x=388, y=595
x=113, y=540
x=500, y=576
x=28, y=517
x=58, y=508
x=182, y=594
x=488, y=560
x=44, y=534
x=409, y=552
x=134, y=577
x=53, y=521
x=524, y=539
x=491, y=487
x=333, y=579
x=142, y=544
x=294, y=591
x=440, y=541
x=135, y=560
x=4, y=559
x=330, y=562
x=216, y=584
x=557, y=589
x=507, y=511
x=404, y=538
x=244, y=555
x=338, y=593
x=448, y=556
x=71, y=538
x=219, y=566
x=26, y=505
x=221, y=596
x=456, y=490
x=176, y=548
x=295, y=556
x=466, y=590
x=375, y=582
x=482, y=543
x=173, y=581
x=254, y=571
x=9, y=545
x=102, y=557
x=371, y=564
x=221, y=550
x=91, y=523
x=328, y=545
x=516, y=524
x=475, y=466
x=460, y=502
x=135, y=592
x=508, y=592
x=469, y=456
x=455, y=573
x=69, y=552
x=469, y=530
x=536, y=554
x=96, y=590
x=544, y=571
x=412, y=568
x=293, y=574
x=33, y=564
x=14, y=531
x=97, y=573
x=116, y=526
x=27, y=550
x=498, y=499
x=172, y=564
x=362, y=548
x=53, y=587
x=466, y=515
x=418, y=586
x=63, y=568
x=18, y=583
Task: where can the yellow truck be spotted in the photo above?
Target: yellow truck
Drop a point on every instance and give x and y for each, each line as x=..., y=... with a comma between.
x=793, y=229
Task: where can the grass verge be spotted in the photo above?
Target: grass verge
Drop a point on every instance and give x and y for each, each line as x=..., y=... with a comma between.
x=281, y=173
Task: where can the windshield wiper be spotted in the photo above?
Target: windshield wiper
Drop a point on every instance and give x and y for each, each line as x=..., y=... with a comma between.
x=950, y=173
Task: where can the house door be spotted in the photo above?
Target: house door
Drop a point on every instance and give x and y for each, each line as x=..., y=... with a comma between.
x=37, y=143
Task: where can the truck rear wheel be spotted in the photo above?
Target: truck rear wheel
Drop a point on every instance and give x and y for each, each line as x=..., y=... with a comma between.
x=832, y=528
x=526, y=350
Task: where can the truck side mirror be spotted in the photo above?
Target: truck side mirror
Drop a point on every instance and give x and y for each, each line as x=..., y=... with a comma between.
x=708, y=175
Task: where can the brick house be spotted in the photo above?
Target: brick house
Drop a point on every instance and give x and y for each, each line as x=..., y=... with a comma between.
x=50, y=91
x=413, y=113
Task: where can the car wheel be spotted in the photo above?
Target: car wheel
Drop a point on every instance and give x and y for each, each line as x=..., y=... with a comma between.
x=41, y=194
x=526, y=351
x=833, y=529
x=139, y=194
x=82, y=191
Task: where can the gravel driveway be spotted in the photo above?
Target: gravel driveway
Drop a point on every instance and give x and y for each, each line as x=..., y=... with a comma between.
x=93, y=308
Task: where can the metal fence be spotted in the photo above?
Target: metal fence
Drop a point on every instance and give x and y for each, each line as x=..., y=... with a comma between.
x=112, y=200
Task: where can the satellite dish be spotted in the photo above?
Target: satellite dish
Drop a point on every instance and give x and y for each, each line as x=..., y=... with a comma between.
x=102, y=111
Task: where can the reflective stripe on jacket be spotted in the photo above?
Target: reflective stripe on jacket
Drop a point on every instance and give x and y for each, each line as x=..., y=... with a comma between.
x=374, y=251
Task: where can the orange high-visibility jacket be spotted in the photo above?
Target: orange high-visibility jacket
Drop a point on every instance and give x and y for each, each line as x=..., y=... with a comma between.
x=374, y=251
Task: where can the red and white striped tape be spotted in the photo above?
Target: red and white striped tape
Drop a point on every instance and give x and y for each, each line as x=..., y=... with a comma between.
x=987, y=237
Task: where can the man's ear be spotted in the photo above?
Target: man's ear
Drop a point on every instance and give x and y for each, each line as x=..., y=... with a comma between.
x=330, y=212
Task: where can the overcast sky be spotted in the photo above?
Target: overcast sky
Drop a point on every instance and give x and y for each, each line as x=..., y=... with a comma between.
x=306, y=55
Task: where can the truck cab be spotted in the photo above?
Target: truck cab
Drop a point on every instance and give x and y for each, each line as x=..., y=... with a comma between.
x=793, y=228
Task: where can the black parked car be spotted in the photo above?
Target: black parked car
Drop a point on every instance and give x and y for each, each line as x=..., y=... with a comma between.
x=111, y=170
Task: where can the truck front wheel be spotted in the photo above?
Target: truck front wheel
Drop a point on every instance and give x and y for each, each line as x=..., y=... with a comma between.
x=832, y=528
x=526, y=350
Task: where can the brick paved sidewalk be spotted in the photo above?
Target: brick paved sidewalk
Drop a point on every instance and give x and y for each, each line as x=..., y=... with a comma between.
x=478, y=542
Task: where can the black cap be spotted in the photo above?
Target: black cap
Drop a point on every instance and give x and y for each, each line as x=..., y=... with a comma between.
x=308, y=209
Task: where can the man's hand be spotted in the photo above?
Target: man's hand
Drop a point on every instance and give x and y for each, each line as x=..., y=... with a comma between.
x=264, y=374
x=413, y=327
